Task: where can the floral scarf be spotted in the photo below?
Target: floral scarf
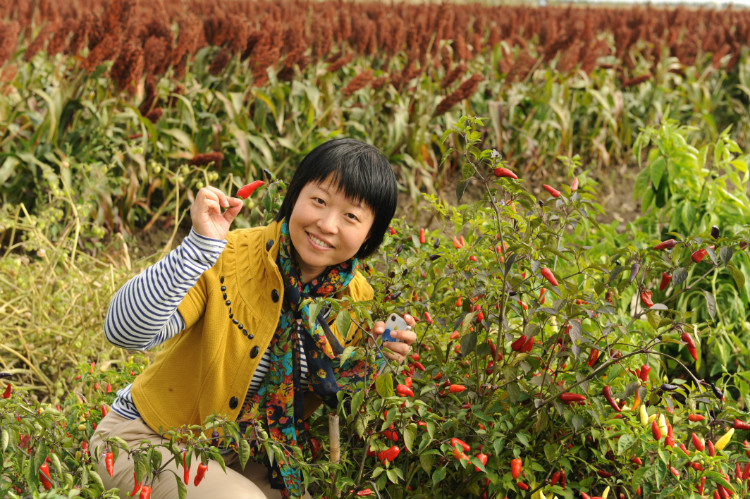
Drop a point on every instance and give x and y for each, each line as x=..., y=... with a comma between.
x=280, y=395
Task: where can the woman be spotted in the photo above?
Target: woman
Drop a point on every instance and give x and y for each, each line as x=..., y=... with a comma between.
x=231, y=308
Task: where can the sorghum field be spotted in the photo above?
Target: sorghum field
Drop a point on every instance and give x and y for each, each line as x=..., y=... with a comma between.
x=562, y=352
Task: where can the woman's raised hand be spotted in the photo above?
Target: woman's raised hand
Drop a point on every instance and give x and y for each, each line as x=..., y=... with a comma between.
x=212, y=212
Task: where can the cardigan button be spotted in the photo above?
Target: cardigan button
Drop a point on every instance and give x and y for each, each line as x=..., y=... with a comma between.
x=254, y=352
x=233, y=402
x=275, y=295
x=269, y=245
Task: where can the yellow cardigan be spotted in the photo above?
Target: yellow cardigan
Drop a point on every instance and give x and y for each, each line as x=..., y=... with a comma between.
x=207, y=368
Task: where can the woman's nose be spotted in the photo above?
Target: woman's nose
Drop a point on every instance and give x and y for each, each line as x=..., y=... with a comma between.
x=327, y=222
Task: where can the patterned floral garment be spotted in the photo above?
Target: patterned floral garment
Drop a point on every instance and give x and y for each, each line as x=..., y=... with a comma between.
x=280, y=395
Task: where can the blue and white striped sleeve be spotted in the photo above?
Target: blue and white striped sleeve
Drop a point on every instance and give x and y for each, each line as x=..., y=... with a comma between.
x=143, y=313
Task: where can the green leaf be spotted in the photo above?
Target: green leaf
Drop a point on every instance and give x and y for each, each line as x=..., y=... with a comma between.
x=438, y=476
x=737, y=275
x=468, y=342
x=343, y=323
x=244, y=452
x=656, y=170
x=460, y=188
x=624, y=443
x=181, y=488
x=348, y=351
x=726, y=254
x=384, y=385
x=426, y=461
x=410, y=433
x=710, y=304
x=679, y=276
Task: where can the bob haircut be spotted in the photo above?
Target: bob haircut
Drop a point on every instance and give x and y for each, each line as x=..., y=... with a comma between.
x=361, y=172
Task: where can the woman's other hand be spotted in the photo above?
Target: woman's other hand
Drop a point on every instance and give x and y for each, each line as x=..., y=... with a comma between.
x=397, y=350
x=212, y=212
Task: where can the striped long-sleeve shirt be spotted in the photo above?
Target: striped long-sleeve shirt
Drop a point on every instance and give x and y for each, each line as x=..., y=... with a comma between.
x=143, y=313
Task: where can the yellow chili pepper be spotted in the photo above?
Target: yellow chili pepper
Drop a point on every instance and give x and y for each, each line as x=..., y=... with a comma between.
x=724, y=440
x=644, y=416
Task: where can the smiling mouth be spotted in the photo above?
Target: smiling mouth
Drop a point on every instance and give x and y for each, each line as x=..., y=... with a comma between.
x=318, y=242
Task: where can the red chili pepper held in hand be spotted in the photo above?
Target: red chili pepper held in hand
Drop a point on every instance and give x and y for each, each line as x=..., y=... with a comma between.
x=668, y=244
x=504, y=172
x=7, y=392
x=246, y=190
x=145, y=492
x=515, y=468
x=109, y=462
x=547, y=274
x=665, y=280
x=44, y=476
x=552, y=191
x=200, y=474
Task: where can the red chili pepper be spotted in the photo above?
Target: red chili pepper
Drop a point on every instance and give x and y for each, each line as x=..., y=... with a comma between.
x=456, y=243
x=418, y=365
x=697, y=417
x=7, y=392
x=665, y=280
x=246, y=190
x=137, y=485
x=517, y=345
x=456, y=388
x=108, y=389
x=552, y=191
x=457, y=441
x=404, y=391
x=389, y=454
x=655, y=431
x=523, y=486
x=482, y=459
x=571, y=398
x=109, y=462
x=104, y=410
x=637, y=460
x=563, y=479
x=643, y=374
x=542, y=299
x=593, y=357
x=698, y=255
x=200, y=474
x=364, y=493
x=741, y=425
x=44, y=476
x=646, y=298
x=684, y=449
x=504, y=172
x=607, y=392
x=422, y=239
x=603, y=474
x=711, y=449
x=555, y=478
x=668, y=244
x=145, y=492
x=186, y=477
x=528, y=345
x=428, y=318
x=674, y=471
x=515, y=468
x=547, y=274
x=585, y=496
x=574, y=185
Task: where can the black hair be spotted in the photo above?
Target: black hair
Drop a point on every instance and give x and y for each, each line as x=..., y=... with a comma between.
x=358, y=169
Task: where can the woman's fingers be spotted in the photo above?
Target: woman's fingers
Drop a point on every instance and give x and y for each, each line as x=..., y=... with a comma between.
x=212, y=212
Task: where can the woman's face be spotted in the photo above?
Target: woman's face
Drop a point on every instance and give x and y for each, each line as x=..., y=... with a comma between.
x=327, y=228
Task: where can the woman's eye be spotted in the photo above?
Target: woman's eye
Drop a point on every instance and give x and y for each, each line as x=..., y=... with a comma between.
x=319, y=201
x=352, y=216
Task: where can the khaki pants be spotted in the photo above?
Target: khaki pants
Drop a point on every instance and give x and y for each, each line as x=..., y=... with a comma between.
x=250, y=483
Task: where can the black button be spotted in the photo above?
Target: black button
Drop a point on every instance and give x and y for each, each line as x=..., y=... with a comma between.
x=221, y=279
x=269, y=245
x=249, y=335
x=225, y=296
x=229, y=302
x=254, y=352
x=233, y=402
x=223, y=288
x=275, y=295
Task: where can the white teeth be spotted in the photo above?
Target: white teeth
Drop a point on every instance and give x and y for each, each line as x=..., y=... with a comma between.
x=319, y=242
